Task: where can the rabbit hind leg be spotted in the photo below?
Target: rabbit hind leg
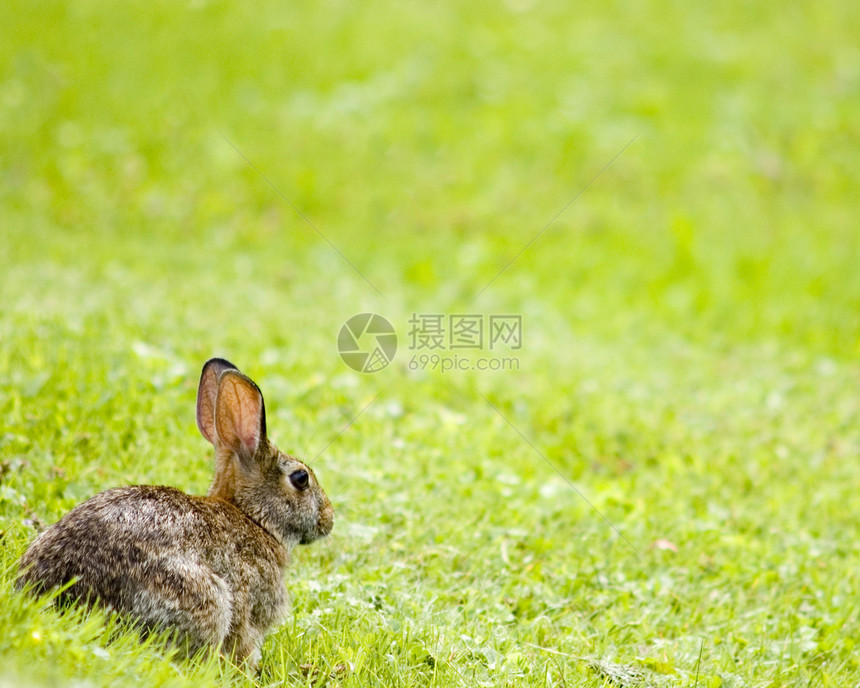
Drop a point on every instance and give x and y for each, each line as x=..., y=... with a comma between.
x=197, y=608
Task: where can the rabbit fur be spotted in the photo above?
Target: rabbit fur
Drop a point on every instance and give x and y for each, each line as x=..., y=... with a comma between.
x=208, y=569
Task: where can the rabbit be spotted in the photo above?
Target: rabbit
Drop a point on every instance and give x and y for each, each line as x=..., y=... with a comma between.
x=208, y=569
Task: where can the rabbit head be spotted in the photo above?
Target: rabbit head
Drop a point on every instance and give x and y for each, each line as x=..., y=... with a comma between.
x=274, y=489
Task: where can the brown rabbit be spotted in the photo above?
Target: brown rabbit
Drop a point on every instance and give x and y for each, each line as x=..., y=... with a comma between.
x=210, y=569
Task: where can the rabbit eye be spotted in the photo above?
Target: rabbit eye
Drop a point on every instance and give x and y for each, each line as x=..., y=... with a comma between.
x=299, y=479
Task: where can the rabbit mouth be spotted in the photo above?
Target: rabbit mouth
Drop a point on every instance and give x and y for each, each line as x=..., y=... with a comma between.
x=324, y=526
x=308, y=538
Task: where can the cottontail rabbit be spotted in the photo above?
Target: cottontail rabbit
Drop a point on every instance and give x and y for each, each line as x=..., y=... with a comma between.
x=208, y=568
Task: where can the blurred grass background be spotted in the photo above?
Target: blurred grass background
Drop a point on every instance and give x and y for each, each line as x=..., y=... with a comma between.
x=691, y=321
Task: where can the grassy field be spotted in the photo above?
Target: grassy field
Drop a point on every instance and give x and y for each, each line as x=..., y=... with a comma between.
x=662, y=492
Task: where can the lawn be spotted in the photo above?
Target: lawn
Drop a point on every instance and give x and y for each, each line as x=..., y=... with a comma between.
x=660, y=486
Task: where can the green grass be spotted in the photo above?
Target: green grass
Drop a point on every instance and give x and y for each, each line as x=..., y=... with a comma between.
x=691, y=325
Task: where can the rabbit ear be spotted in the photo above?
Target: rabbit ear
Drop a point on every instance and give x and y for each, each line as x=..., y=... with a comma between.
x=240, y=415
x=206, y=391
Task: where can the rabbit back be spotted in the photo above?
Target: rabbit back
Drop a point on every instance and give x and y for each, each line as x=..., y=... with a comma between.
x=194, y=565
